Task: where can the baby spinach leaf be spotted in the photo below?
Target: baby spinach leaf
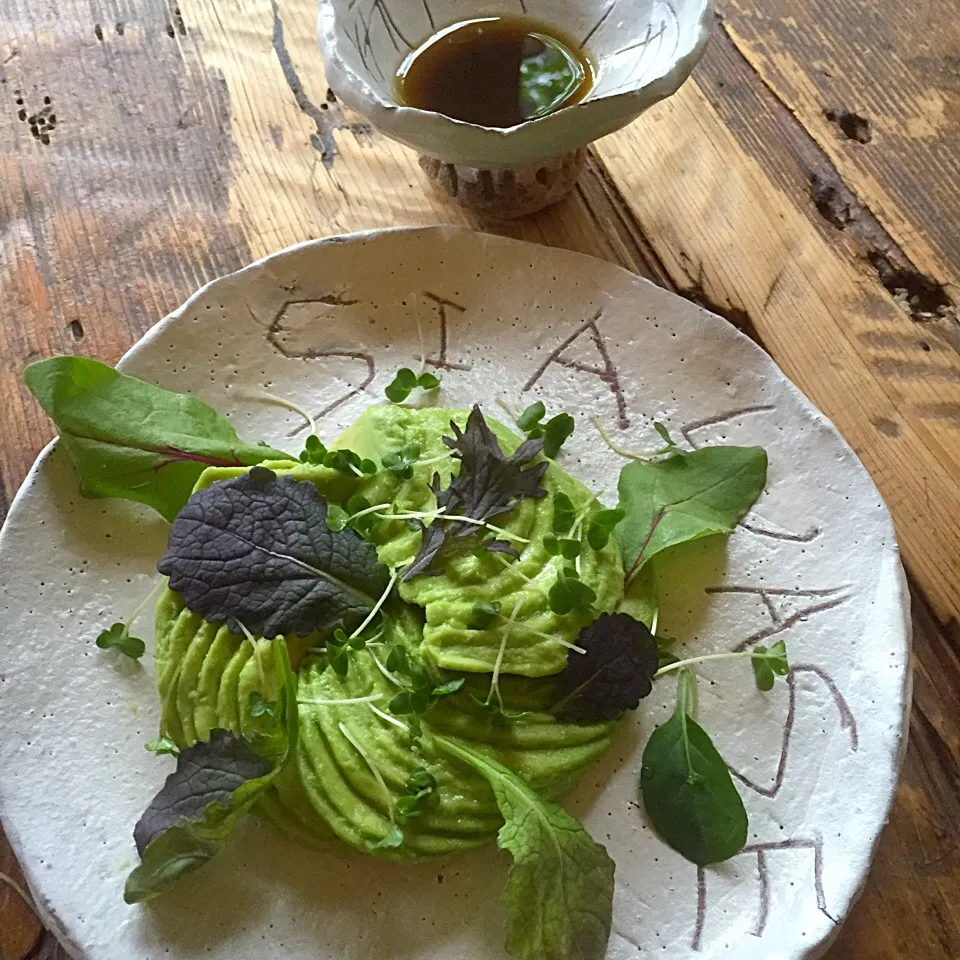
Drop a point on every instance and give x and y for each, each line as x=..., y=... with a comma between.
x=685, y=497
x=117, y=637
x=614, y=674
x=216, y=782
x=559, y=892
x=132, y=440
x=258, y=550
x=687, y=789
x=488, y=485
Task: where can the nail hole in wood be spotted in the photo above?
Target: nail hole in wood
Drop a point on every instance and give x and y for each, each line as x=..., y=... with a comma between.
x=76, y=328
x=98, y=30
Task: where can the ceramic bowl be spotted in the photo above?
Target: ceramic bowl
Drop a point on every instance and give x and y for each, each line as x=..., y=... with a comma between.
x=642, y=51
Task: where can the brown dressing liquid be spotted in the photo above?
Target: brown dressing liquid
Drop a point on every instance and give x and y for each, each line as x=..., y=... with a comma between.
x=495, y=71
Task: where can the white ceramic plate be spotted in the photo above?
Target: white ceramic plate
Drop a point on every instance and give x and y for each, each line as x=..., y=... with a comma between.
x=326, y=324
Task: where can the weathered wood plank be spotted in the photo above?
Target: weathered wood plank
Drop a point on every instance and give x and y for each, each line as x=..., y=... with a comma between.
x=897, y=66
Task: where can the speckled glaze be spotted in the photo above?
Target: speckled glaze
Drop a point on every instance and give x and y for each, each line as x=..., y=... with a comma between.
x=326, y=324
x=642, y=49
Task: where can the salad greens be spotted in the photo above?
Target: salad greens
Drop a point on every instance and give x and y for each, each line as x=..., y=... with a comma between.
x=257, y=551
x=216, y=782
x=687, y=789
x=117, y=637
x=684, y=497
x=613, y=674
x=489, y=484
x=132, y=440
x=559, y=893
x=367, y=568
x=406, y=381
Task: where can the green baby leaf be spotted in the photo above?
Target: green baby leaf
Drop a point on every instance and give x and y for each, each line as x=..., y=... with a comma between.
x=428, y=381
x=568, y=594
x=601, y=527
x=483, y=614
x=664, y=655
x=313, y=451
x=769, y=664
x=687, y=789
x=555, y=433
x=559, y=892
x=401, y=462
x=133, y=440
x=531, y=417
x=686, y=497
x=216, y=782
x=564, y=514
x=259, y=707
x=405, y=381
x=117, y=637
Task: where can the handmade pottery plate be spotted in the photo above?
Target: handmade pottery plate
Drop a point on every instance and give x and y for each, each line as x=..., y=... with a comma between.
x=326, y=325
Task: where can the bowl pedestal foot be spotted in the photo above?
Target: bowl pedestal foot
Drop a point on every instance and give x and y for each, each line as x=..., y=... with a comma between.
x=506, y=193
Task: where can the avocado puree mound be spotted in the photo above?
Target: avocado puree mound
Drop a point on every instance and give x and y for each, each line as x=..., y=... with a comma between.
x=353, y=762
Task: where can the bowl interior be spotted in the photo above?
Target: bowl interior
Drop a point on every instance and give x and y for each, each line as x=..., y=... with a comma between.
x=631, y=42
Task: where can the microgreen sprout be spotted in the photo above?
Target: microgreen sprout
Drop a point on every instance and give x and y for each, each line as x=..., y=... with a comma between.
x=568, y=594
x=669, y=448
x=554, y=432
x=483, y=614
x=405, y=381
x=258, y=707
x=401, y=462
x=118, y=636
x=768, y=663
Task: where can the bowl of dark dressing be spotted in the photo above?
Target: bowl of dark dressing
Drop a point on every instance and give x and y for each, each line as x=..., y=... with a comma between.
x=501, y=105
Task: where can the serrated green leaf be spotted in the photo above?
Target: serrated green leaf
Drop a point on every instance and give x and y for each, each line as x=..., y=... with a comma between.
x=559, y=892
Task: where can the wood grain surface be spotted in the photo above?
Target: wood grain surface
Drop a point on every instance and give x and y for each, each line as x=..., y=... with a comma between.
x=805, y=184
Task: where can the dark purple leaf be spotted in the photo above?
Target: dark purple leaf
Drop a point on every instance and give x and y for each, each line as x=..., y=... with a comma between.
x=257, y=550
x=614, y=674
x=206, y=773
x=488, y=485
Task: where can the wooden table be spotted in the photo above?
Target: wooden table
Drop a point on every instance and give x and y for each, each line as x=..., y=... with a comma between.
x=805, y=184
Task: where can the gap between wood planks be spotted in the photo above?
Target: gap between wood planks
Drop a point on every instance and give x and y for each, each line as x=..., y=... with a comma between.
x=919, y=295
